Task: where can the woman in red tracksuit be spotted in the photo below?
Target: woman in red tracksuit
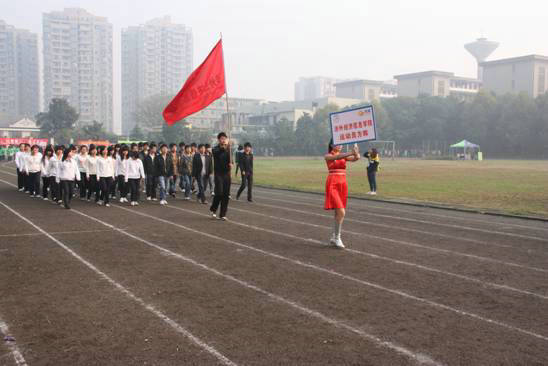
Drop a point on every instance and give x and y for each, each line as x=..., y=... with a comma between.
x=336, y=188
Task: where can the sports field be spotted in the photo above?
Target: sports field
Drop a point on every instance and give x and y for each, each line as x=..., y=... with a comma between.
x=155, y=285
x=512, y=186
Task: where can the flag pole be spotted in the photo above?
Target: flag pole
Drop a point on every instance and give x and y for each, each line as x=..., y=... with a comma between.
x=229, y=118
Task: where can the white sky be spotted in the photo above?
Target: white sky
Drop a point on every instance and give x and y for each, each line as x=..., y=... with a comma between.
x=270, y=43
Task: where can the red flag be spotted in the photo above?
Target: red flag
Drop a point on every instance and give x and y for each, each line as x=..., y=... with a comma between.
x=203, y=87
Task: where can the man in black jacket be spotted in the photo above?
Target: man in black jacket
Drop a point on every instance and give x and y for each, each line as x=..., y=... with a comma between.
x=245, y=162
x=163, y=169
x=222, y=165
x=150, y=178
x=202, y=165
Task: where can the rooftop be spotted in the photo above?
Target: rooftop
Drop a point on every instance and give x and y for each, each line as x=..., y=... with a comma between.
x=515, y=60
x=425, y=74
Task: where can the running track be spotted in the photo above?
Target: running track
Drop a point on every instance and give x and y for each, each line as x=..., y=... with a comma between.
x=167, y=286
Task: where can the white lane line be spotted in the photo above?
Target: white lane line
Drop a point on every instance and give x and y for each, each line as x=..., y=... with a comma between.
x=454, y=226
x=3, y=171
x=53, y=233
x=12, y=346
x=419, y=357
x=346, y=277
x=379, y=257
x=371, y=204
x=221, y=358
x=415, y=245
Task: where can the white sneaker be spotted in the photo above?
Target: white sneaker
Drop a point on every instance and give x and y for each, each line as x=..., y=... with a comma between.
x=163, y=202
x=136, y=203
x=333, y=240
x=223, y=218
x=187, y=198
x=132, y=203
x=155, y=199
x=149, y=198
x=373, y=193
x=107, y=205
x=339, y=244
x=213, y=215
x=100, y=203
x=121, y=200
x=21, y=189
x=369, y=193
x=45, y=198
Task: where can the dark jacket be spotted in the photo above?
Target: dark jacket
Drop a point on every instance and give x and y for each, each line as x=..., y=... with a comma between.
x=148, y=165
x=197, y=165
x=246, y=163
x=221, y=160
x=185, y=164
x=163, y=167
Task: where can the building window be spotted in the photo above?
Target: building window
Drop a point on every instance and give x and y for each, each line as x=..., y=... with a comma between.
x=541, y=80
x=441, y=88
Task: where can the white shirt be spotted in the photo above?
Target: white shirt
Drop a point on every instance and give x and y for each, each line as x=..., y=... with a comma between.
x=121, y=165
x=81, y=161
x=54, y=166
x=20, y=160
x=203, y=157
x=68, y=170
x=44, y=167
x=91, y=165
x=105, y=167
x=134, y=169
x=32, y=163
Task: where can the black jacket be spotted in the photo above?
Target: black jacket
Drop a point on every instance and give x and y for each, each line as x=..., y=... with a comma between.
x=163, y=167
x=246, y=163
x=197, y=165
x=221, y=160
x=148, y=165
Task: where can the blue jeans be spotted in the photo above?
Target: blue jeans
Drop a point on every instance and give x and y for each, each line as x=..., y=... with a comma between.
x=185, y=182
x=172, y=184
x=162, y=183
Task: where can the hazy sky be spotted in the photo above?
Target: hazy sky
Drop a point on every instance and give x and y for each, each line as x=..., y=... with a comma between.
x=269, y=44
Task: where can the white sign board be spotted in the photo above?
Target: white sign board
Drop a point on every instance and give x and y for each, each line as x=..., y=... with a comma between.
x=353, y=126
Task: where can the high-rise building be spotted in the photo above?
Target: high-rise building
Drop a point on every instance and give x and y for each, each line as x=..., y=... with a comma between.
x=437, y=84
x=19, y=77
x=156, y=60
x=314, y=87
x=78, y=64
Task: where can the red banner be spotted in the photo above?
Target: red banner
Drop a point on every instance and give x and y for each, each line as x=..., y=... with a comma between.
x=203, y=87
x=93, y=142
x=23, y=140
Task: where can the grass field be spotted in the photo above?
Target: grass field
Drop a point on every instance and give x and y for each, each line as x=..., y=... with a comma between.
x=512, y=186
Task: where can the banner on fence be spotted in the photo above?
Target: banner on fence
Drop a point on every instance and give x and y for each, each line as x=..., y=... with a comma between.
x=5, y=141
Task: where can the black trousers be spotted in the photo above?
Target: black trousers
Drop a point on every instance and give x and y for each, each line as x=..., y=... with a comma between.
x=45, y=186
x=135, y=188
x=122, y=186
x=247, y=181
x=34, y=183
x=372, y=178
x=55, y=189
x=26, y=178
x=83, y=185
x=222, y=192
x=106, y=185
x=152, y=183
x=68, y=189
x=112, y=189
x=93, y=187
x=20, y=179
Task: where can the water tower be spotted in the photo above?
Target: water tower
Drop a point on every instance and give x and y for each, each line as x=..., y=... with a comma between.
x=481, y=49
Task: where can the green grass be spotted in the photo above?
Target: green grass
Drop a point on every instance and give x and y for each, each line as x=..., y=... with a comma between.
x=511, y=186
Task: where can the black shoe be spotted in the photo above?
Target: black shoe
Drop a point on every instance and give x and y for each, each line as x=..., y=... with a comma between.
x=250, y=200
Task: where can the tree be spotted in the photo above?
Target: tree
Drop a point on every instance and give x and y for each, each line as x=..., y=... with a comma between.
x=149, y=112
x=137, y=133
x=59, y=121
x=175, y=133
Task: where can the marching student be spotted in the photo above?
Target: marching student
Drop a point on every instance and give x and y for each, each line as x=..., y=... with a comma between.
x=175, y=161
x=134, y=173
x=202, y=165
x=163, y=169
x=113, y=152
x=105, y=174
x=20, y=164
x=81, y=160
x=222, y=165
x=44, y=171
x=91, y=174
x=53, y=171
x=237, y=158
x=374, y=161
x=246, y=169
x=209, y=181
x=121, y=164
x=32, y=170
x=68, y=174
x=150, y=180
x=336, y=188
x=185, y=171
